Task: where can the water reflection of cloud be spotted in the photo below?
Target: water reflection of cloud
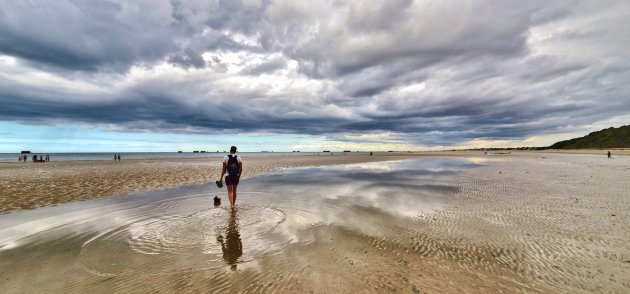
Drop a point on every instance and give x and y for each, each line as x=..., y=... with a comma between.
x=480, y=160
x=372, y=166
x=355, y=194
x=274, y=210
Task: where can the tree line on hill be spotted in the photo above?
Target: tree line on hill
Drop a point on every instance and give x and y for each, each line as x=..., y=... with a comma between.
x=606, y=138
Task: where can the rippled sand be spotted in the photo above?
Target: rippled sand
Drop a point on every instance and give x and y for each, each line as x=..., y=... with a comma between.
x=30, y=185
x=521, y=223
x=561, y=221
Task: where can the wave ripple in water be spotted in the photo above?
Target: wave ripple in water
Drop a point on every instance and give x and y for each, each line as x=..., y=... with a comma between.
x=359, y=228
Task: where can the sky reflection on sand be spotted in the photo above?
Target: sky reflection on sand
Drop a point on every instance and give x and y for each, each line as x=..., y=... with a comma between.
x=403, y=188
x=179, y=229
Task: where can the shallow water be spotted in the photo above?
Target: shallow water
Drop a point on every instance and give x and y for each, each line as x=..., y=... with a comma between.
x=56, y=157
x=324, y=229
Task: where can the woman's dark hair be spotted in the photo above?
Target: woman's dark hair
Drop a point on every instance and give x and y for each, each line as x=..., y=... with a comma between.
x=233, y=149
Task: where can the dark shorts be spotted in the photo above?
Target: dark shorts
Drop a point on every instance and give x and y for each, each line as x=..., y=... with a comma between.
x=231, y=180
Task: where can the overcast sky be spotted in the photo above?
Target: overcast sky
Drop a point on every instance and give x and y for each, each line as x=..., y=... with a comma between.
x=305, y=75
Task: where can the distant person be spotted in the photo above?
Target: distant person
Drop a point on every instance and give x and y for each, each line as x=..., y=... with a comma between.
x=609, y=155
x=115, y=157
x=233, y=164
x=47, y=158
x=34, y=158
x=118, y=157
x=20, y=158
x=371, y=153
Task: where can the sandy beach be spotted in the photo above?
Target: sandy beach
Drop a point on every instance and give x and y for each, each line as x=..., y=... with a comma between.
x=414, y=147
x=524, y=222
x=558, y=219
x=30, y=185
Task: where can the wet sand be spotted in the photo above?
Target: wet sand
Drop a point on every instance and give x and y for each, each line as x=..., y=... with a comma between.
x=560, y=220
x=528, y=222
x=30, y=185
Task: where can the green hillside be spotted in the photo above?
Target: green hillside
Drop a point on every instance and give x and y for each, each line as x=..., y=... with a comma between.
x=607, y=138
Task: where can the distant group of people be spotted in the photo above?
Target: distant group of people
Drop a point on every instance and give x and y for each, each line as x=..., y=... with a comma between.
x=41, y=158
x=116, y=157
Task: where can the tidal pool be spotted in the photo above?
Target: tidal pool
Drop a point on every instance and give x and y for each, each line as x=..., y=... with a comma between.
x=324, y=229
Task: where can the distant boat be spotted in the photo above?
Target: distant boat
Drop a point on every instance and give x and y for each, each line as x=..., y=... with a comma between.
x=195, y=151
x=346, y=151
x=326, y=150
x=203, y=151
x=25, y=152
x=179, y=151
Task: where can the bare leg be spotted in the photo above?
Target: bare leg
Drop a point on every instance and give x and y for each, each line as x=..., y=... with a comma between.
x=234, y=194
x=231, y=189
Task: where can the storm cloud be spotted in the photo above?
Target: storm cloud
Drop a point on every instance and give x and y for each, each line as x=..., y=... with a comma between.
x=424, y=72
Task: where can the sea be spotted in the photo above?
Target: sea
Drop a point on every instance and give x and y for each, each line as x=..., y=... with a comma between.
x=13, y=157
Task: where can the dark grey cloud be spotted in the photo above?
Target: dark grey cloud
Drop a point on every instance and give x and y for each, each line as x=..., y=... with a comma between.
x=265, y=67
x=377, y=34
x=81, y=35
x=423, y=71
x=188, y=58
x=92, y=35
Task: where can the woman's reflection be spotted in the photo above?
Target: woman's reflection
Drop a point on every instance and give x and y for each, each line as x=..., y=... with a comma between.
x=231, y=245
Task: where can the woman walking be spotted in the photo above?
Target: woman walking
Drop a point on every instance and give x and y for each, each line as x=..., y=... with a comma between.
x=233, y=164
